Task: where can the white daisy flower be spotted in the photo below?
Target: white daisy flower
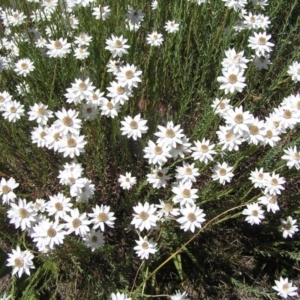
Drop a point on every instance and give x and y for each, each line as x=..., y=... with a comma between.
x=158, y=177
x=58, y=206
x=228, y=139
x=117, y=45
x=238, y=120
x=254, y=213
x=274, y=184
x=234, y=59
x=101, y=12
x=12, y=110
x=94, y=239
x=24, y=67
x=288, y=227
x=270, y=201
x=222, y=173
x=127, y=181
x=118, y=92
x=89, y=111
x=169, y=135
x=6, y=190
x=262, y=61
x=21, y=261
x=58, y=48
x=77, y=223
x=144, y=217
x=47, y=234
x=72, y=145
x=284, y=288
x=258, y=177
x=232, y=80
x=129, y=76
x=203, y=151
x=235, y=4
x=145, y=247
x=184, y=193
x=181, y=148
x=67, y=121
x=157, y=154
x=192, y=217
x=292, y=156
x=110, y=108
x=96, y=98
x=260, y=43
x=134, y=127
x=38, y=135
x=171, y=26
x=166, y=211
x=294, y=71
x=81, y=53
x=155, y=39
x=22, y=214
x=187, y=173
x=221, y=106
x=102, y=215
x=39, y=113
x=179, y=295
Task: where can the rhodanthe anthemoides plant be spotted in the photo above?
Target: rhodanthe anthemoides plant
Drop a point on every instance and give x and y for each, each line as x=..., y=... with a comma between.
x=149, y=149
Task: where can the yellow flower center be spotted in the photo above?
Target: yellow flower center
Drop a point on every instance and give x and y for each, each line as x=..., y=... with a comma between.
x=58, y=206
x=109, y=105
x=262, y=41
x=129, y=74
x=24, y=66
x=57, y=45
x=133, y=124
x=51, y=232
x=67, y=121
x=186, y=193
x=76, y=223
x=6, y=189
x=143, y=215
x=191, y=217
x=82, y=86
x=118, y=44
x=239, y=119
x=23, y=213
x=145, y=245
x=222, y=172
x=232, y=78
x=102, y=217
x=170, y=133
x=71, y=142
x=254, y=130
x=19, y=262
x=168, y=207
x=159, y=175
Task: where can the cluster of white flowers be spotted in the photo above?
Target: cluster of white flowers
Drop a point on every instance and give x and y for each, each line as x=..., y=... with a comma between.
x=48, y=222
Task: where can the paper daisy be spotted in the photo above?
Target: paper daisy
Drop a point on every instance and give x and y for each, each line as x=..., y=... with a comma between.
x=101, y=215
x=222, y=173
x=144, y=217
x=127, y=181
x=21, y=261
x=284, y=288
x=232, y=80
x=254, y=213
x=134, y=127
x=288, y=227
x=192, y=217
x=145, y=247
